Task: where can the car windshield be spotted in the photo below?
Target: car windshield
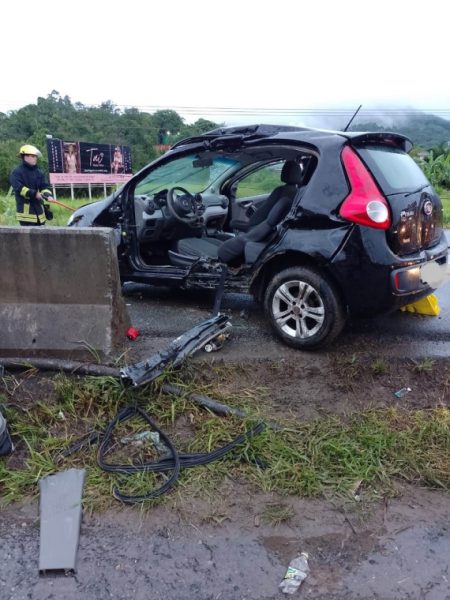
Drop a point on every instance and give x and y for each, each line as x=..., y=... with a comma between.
x=194, y=172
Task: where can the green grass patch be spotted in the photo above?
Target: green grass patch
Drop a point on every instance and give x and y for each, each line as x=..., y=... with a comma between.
x=310, y=459
x=445, y=197
x=60, y=214
x=277, y=513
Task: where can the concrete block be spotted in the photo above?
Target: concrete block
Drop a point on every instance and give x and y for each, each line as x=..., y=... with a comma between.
x=60, y=292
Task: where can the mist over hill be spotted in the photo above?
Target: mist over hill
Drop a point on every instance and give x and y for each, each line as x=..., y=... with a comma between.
x=144, y=132
x=425, y=130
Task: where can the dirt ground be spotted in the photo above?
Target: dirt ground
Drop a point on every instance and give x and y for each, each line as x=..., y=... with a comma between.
x=220, y=547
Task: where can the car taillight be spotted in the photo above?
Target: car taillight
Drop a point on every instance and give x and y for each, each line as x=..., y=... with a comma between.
x=365, y=204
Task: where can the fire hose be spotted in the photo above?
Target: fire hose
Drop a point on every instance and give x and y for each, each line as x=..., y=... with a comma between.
x=53, y=200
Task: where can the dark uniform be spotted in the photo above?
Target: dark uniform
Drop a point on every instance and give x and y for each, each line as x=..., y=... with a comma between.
x=26, y=181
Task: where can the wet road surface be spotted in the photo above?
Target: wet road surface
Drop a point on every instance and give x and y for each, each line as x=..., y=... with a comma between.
x=398, y=550
x=161, y=315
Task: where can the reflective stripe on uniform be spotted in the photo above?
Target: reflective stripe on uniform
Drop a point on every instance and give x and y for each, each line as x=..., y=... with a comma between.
x=26, y=215
x=29, y=218
x=24, y=191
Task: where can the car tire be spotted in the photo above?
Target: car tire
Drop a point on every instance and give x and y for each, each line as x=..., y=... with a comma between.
x=304, y=308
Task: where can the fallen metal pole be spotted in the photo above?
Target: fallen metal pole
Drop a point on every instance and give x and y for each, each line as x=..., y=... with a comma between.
x=78, y=368
x=54, y=364
x=204, y=401
x=218, y=408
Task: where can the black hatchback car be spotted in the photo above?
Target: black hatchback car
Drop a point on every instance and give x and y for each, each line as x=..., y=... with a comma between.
x=317, y=225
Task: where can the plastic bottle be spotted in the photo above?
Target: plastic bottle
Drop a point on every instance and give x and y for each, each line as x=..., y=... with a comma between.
x=402, y=392
x=296, y=573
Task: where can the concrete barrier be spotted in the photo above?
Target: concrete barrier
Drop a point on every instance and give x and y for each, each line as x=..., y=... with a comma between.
x=60, y=292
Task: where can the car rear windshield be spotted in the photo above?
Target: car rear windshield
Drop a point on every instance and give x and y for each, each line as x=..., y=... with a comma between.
x=395, y=171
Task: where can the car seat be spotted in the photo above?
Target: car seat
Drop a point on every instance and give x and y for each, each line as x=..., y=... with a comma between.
x=260, y=225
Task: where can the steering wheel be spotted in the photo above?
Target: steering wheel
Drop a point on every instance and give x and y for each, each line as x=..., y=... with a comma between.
x=185, y=207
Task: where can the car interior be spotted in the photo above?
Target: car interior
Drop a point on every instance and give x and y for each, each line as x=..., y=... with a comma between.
x=250, y=236
x=226, y=206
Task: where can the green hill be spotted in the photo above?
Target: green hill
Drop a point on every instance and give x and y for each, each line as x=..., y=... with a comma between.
x=425, y=130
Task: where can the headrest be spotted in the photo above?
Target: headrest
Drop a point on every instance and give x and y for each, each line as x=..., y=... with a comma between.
x=291, y=173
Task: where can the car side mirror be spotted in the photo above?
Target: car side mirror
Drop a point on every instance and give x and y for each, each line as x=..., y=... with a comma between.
x=115, y=208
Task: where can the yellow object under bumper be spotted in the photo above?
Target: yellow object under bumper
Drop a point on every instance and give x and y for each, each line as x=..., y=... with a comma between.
x=427, y=306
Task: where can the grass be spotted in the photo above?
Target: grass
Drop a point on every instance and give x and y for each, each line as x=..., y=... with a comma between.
x=379, y=367
x=425, y=365
x=445, y=197
x=309, y=459
x=60, y=214
x=277, y=513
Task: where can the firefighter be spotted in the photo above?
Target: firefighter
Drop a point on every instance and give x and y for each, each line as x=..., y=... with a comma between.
x=31, y=188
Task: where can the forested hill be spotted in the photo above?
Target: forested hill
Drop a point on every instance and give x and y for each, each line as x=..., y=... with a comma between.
x=425, y=130
x=59, y=117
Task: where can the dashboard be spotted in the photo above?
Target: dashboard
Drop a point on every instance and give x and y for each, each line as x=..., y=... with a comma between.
x=155, y=222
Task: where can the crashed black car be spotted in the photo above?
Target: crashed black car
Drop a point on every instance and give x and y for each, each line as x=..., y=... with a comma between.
x=317, y=225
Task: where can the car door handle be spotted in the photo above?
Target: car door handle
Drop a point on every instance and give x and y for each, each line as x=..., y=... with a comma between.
x=245, y=203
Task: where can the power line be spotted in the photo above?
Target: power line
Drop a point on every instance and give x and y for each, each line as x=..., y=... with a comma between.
x=283, y=112
x=292, y=112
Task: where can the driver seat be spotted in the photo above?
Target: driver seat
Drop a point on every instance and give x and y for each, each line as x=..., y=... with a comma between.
x=262, y=223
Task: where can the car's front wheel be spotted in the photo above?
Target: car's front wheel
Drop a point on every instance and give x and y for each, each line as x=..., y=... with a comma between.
x=304, y=308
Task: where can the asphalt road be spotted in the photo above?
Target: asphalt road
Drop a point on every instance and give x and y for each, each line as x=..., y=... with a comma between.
x=162, y=314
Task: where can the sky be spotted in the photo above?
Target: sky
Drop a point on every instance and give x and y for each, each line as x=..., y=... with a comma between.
x=233, y=61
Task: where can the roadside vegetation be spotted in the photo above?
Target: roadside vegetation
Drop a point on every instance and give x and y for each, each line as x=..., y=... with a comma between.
x=362, y=452
x=445, y=197
x=366, y=450
x=58, y=116
x=61, y=215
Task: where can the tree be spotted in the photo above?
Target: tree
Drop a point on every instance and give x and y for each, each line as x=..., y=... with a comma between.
x=56, y=115
x=9, y=151
x=168, y=124
x=437, y=169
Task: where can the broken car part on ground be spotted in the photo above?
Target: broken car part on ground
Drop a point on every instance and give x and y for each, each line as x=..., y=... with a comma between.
x=60, y=520
x=213, y=330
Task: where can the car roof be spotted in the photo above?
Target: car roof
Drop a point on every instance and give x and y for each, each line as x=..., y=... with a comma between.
x=317, y=137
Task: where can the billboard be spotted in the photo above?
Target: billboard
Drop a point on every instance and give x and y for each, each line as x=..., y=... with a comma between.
x=85, y=162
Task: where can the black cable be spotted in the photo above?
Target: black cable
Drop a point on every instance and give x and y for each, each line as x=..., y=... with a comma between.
x=187, y=461
x=174, y=463
x=125, y=414
x=89, y=439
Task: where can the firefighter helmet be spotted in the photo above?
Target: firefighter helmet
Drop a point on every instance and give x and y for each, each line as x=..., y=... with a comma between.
x=28, y=149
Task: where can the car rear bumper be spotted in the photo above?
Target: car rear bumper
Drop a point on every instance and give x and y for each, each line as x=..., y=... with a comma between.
x=374, y=280
x=424, y=277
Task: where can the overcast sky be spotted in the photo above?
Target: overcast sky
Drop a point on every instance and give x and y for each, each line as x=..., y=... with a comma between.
x=285, y=56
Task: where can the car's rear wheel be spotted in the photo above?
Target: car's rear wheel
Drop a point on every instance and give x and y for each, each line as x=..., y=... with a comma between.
x=304, y=308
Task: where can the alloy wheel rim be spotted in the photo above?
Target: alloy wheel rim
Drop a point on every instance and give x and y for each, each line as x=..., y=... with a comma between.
x=298, y=309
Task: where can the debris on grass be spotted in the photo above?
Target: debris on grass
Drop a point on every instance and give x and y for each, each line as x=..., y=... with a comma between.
x=311, y=458
x=320, y=456
x=402, y=392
